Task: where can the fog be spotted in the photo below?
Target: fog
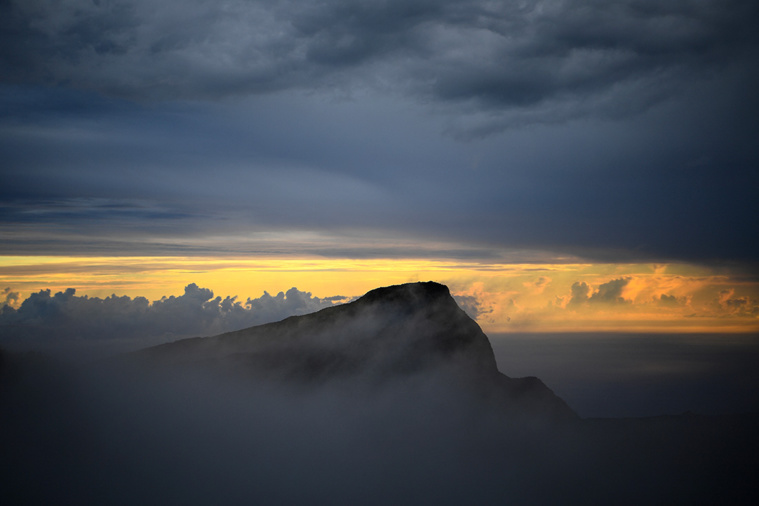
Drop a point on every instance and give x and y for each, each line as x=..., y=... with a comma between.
x=634, y=375
x=107, y=436
x=392, y=399
x=129, y=434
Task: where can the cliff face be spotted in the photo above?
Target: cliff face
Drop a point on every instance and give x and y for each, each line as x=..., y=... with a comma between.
x=388, y=334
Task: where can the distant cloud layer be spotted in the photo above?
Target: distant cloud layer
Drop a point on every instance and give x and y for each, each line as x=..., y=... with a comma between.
x=642, y=300
x=64, y=316
x=576, y=298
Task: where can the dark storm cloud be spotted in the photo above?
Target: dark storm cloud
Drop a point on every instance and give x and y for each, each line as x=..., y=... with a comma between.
x=617, y=131
x=85, y=177
x=588, y=57
x=44, y=318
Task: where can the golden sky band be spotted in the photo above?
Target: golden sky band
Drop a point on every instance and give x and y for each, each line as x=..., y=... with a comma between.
x=503, y=297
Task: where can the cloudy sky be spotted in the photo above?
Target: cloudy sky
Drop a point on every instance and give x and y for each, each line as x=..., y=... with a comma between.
x=584, y=164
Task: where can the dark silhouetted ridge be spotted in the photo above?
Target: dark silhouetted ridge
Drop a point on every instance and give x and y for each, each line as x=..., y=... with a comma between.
x=387, y=334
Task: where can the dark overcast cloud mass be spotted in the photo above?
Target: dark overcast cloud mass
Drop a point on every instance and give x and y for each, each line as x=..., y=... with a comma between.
x=612, y=131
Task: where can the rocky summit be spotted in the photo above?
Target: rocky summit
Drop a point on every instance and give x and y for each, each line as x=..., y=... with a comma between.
x=390, y=334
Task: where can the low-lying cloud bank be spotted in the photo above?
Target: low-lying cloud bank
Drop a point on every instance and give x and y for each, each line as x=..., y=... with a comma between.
x=45, y=318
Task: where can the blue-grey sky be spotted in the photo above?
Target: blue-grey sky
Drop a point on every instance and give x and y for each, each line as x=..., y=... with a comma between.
x=608, y=131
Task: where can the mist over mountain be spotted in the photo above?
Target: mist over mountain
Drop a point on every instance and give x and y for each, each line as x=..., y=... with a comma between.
x=389, y=334
x=394, y=398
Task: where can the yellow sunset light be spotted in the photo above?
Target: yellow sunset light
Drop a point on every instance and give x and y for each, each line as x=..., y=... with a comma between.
x=509, y=297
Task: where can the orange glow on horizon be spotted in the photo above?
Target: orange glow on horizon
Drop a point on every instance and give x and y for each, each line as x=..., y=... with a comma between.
x=510, y=297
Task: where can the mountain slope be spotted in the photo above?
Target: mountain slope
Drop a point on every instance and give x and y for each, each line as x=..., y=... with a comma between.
x=389, y=333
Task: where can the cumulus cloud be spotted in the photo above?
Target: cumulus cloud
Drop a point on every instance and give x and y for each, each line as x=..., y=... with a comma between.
x=580, y=291
x=609, y=292
x=735, y=305
x=541, y=58
x=669, y=300
x=8, y=297
x=65, y=316
x=473, y=305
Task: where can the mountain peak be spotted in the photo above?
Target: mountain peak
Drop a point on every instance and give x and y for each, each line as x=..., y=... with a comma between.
x=411, y=294
x=390, y=333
